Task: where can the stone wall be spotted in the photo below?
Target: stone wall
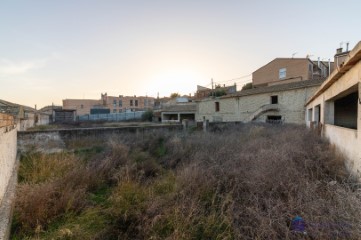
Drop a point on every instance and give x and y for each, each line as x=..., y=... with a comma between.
x=55, y=140
x=291, y=106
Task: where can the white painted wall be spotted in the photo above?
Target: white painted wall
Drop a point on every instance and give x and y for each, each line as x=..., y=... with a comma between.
x=8, y=142
x=43, y=119
x=347, y=141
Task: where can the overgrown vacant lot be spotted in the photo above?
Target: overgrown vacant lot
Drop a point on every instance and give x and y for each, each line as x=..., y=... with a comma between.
x=240, y=182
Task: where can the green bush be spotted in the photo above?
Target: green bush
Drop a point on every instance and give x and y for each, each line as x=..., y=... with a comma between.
x=148, y=116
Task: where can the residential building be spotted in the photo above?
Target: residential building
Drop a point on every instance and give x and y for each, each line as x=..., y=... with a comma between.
x=109, y=104
x=25, y=116
x=81, y=106
x=219, y=90
x=277, y=103
x=176, y=110
x=287, y=70
x=335, y=108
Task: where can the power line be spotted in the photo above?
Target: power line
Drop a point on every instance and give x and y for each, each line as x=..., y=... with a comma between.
x=245, y=76
x=239, y=81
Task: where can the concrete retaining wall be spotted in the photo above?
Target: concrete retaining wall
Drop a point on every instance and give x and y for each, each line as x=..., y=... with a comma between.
x=54, y=140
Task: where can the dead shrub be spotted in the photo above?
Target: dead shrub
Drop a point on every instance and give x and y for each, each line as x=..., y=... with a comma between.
x=245, y=181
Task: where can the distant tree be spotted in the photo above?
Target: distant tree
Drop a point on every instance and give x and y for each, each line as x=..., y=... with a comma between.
x=147, y=116
x=174, y=95
x=247, y=86
x=218, y=92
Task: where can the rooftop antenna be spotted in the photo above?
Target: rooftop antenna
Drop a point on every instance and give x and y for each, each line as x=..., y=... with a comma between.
x=293, y=54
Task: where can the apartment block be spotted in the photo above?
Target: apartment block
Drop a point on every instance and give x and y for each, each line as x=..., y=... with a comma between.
x=204, y=92
x=287, y=70
x=109, y=104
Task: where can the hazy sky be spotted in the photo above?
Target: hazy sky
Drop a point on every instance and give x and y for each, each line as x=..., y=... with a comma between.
x=52, y=50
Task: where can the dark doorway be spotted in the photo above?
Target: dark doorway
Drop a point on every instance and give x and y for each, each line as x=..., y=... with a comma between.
x=274, y=119
x=346, y=111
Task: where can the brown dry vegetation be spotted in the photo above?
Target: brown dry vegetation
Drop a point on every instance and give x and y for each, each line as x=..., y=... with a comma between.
x=240, y=182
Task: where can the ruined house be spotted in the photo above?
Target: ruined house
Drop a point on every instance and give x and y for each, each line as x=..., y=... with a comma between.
x=280, y=90
x=335, y=108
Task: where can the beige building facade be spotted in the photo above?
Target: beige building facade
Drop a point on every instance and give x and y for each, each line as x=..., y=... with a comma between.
x=82, y=106
x=336, y=107
x=287, y=70
x=280, y=103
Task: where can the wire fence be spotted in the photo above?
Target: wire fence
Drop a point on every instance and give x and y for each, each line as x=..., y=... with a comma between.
x=112, y=117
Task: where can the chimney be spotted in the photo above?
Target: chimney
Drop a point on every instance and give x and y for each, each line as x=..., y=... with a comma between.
x=347, y=46
x=340, y=57
x=329, y=67
x=318, y=62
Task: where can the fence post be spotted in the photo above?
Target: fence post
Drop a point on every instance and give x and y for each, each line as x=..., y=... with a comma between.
x=205, y=125
x=185, y=124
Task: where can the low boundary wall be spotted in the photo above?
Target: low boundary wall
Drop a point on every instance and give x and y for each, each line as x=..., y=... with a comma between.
x=54, y=140
x=8, y=169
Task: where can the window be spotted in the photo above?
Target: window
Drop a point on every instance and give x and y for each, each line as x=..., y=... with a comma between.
x=120, y=103
x=282, y=73
x=274, y=99
x=136, y=103
x=309, y=115
x=114, y=110
x=345, y=111
x=217, y=106
x=82, y=106
x=131, y=102
x=114, y=101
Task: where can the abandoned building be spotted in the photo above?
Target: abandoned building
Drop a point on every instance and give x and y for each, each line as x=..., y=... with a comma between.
x=109, y=104
x=176, y=110
x=25, y=116
x=335, y=109
x=280, y=91
x=219, y=90
x=278, y=103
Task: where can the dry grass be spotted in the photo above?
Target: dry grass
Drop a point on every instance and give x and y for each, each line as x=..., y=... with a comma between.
x=241, y=182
